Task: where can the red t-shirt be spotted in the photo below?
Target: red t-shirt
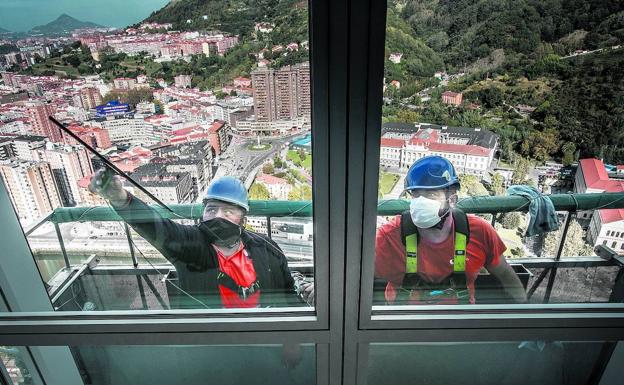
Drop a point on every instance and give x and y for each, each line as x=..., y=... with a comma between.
x=435, y=260
x=240, y=268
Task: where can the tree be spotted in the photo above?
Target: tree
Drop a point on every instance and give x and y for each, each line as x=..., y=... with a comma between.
x=569, y=153
x=575, y=244
x=497, y=184
x=277, y=162
x=470, y=186
x=301, y=193
x=491, y=97
x=268, y=168
x=521, y=171
x=511, y=220
x=302, y=154
x=258, y=191
x=72, y=60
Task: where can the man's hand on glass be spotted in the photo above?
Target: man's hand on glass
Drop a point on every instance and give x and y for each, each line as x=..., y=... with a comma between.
x=107, y=185
x=307, y=293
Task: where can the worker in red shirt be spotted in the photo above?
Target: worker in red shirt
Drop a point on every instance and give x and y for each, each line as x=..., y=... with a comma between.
x=219, y=263
x=433, y=253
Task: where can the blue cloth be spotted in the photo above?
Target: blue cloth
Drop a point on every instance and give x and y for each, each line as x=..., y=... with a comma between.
x=542, y=213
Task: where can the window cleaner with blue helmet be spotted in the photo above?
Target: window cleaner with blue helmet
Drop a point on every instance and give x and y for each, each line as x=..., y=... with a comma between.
x=218, y=262
x=433, y=253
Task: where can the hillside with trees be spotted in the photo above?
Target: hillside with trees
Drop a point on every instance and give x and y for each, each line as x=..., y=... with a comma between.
x=560, y=59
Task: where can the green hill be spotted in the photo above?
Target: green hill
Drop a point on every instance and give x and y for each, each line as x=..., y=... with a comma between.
x=64, y=24
x=238, y=17
x=462, y=31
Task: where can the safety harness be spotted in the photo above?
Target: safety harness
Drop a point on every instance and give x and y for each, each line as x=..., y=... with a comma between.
x=225, y=280
x=243, y=292
x=452, y=286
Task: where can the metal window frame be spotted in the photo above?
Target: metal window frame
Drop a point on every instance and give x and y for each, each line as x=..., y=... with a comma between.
x=329, y=114
x=365, y=324
x=423, y=317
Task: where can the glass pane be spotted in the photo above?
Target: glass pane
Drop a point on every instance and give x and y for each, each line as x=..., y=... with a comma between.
x=527, y=362
x=468, y=111
x=14, y=366
x=208, y=110
x=185, y=364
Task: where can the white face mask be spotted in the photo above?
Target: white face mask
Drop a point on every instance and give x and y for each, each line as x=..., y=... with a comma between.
x=425, y=212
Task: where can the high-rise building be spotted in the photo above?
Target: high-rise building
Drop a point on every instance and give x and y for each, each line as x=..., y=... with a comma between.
x=130, y=132
x=32, y=188
x=95, y=136
x=282, y=94
x=38, y=114
x=90, y=98
x=69, y=164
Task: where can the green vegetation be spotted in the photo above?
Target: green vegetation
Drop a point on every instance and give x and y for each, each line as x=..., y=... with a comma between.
x=300, y=193
x=387, y=181
x=295, y=157
x=238, y=17
x=574, y=245
x=470, y=186
x=514, y=52
x=258, y=191
x=260, y=147
x=8, y=48
x=132, y=97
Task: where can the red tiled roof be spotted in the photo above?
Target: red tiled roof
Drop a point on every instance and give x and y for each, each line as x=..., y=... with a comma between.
x=392, y=142
x=467, y=149
x=596, y=177
x=450, y=93
x=216, y=126
x=424, y=136
x=594, y=173
x=270, y=179
x=182, y=131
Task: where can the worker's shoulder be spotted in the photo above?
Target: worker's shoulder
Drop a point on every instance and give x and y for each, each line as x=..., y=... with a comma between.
x=392, y=224
x=479, y=226
x=257, y=239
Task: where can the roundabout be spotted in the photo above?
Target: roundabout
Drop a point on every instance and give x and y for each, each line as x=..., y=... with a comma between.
x=259, y=147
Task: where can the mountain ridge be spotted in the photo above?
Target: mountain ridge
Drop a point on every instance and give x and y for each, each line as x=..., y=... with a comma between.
x=63, y=24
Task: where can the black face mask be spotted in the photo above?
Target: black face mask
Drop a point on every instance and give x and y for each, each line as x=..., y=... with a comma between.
x=220, y=231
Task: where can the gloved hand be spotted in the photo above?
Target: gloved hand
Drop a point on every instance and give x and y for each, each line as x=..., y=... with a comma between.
x=307, y=292
x=107, y=185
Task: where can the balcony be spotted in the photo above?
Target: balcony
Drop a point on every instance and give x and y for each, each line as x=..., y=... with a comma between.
x=125, y=276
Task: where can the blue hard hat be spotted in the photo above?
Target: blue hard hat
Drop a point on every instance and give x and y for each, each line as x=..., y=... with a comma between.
x=228, y=189
x=431, y=173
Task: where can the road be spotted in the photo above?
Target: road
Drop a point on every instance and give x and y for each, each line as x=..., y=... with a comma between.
x=240, y=161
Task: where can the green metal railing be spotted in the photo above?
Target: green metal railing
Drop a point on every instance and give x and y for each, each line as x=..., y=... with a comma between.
x=570, y=203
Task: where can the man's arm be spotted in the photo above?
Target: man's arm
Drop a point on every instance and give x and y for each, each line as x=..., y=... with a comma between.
x=170, y=238
x=509, y=280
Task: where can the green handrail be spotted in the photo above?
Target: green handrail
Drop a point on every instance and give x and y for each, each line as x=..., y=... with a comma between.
x=483, y=205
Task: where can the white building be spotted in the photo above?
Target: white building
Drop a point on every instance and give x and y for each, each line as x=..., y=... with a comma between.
x=279, y=188
x=130, y=132
x=69, y=165
x=395, y=57
x=606, y=227
x=31, y=187
x=400, y=150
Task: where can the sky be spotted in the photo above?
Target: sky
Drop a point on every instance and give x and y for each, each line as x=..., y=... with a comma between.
x=22, y=15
